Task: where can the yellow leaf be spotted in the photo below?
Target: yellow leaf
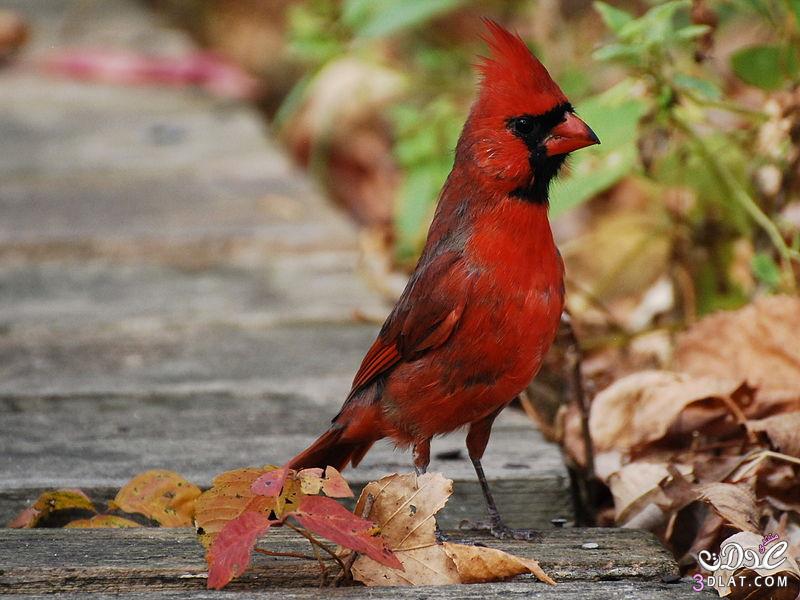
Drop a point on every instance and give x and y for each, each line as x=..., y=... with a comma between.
x=50, y=502
x=160, y=495
x=102, y=521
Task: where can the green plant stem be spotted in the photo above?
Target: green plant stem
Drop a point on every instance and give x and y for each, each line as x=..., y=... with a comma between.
x=741, y=196
x=723, y=105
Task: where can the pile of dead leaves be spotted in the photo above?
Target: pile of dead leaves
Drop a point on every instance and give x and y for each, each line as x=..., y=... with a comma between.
x=390, y=539
x=711, y=448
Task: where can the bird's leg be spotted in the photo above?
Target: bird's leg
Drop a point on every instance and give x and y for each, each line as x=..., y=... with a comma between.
x=477, y=438
x=422, y=456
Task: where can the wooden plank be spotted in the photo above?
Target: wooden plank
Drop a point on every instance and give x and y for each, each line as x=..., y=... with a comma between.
x=570, y=590
x=98, y=442
x=92, y=294
x=43, y=561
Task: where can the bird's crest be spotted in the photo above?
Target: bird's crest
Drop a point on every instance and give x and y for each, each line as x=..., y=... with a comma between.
x=514, y=81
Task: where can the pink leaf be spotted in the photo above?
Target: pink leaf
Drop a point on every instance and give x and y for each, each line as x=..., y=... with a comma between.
x=230, y=552
x=335, y=485
x=331, y=520
x=270, y=483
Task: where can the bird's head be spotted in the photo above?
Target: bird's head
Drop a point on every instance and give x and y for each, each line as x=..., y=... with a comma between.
x=521, y=127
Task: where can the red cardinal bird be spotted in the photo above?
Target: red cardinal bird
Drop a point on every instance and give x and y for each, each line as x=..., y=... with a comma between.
x=484, y=302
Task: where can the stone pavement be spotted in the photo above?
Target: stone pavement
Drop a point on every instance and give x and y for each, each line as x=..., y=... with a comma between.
x=174, y=294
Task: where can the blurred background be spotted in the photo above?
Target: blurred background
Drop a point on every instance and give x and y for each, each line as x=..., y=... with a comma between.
x=691, y=202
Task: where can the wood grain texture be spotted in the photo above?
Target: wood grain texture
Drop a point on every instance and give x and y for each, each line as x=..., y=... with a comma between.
x=98, y=442
x=42, y=561
x=571, y=590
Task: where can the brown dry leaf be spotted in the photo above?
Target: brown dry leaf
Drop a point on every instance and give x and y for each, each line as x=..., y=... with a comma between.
x=783, y=431
x=230, y=495
x=404, y=508
x=758, y=343
x=476, y=564
x=50, y=502
x=734, y=503
x=636, y=485
x=641, y=407
x=161, y=495
x=749, y=591
x=102, y=521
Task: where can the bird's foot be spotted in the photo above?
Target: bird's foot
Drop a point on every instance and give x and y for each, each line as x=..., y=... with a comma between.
x=500, y=530
x=503, y=532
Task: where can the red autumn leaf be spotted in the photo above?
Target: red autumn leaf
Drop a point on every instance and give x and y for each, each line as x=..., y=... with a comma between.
x=230, y=552
x=335, y=485
x=270, y=484
x=331, y=520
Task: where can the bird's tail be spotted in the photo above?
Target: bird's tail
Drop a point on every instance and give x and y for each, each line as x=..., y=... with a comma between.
x=330, y=449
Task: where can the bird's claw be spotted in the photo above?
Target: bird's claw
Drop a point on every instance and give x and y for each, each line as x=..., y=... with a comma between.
x=502, y=532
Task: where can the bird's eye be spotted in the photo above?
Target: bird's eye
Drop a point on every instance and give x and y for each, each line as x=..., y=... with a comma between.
x=523, y=125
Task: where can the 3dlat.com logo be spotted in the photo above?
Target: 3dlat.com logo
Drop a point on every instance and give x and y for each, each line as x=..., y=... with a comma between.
x=733, y=557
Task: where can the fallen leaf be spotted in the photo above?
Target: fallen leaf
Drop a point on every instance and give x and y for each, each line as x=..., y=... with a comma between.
x=758, y=343
x=477, y=564
x=334, y=485
x=426, y=565
x=229, y=496
x=326, y=517
x=310, y=481
x=270, y=483
x=160, y=495
x=734, y=503
x=641, y=407
x=634, y=486
x=230, y=552
x=782, y=430
x=102, y=522
x=51, y=502
x=404, y=506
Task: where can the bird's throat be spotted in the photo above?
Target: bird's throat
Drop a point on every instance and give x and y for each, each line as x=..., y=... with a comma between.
x=544, y=170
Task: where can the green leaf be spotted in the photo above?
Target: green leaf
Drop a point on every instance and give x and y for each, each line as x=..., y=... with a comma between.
x=417, y=197
x=614, y=18
x=794, y=5
x=768, y=67
x=618, y=52
x=703, y=87
x=766, y=270
x=390, y=17
x=692, y=31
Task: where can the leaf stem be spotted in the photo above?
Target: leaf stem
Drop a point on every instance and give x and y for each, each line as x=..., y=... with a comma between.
x=314, y=541
x=347, y=573
x=286, y=554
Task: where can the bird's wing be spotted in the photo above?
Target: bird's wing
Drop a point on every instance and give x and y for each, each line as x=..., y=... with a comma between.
x=424, y=317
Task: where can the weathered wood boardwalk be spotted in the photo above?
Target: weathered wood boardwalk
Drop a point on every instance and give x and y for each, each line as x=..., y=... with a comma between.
x=173, y=294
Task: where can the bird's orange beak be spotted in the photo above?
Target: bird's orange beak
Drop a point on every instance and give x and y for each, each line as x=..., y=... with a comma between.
x=571, y=134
